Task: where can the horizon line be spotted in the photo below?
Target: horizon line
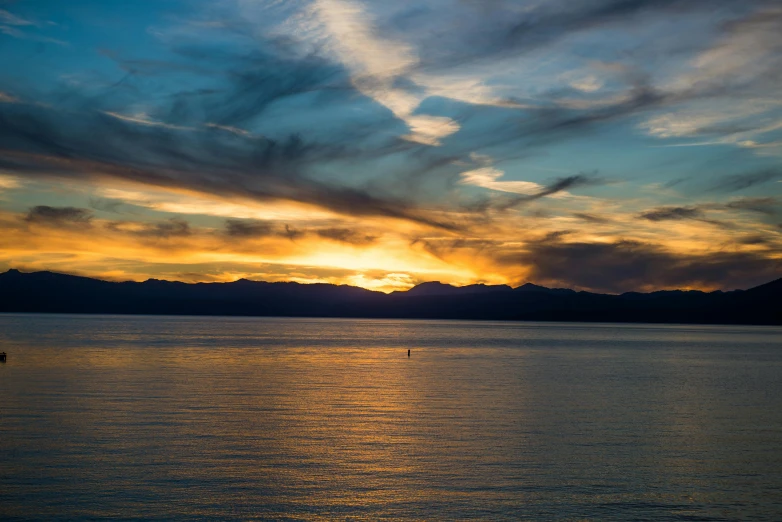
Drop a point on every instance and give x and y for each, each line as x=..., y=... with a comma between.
x=152, y=279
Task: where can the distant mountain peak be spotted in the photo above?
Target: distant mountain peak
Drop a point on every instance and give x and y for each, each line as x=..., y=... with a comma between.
x=431, y=285
x=433, y=288
x=772, y=287
x=526, y=287
x=49, y=292
x=532, y=287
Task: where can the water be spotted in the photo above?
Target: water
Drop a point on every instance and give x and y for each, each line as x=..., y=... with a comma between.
x=163, y=417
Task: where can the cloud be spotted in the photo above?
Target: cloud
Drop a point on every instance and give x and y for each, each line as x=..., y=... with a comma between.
x=741, y=125
x=591, y=218
x=174, y=142
x=107, y=205
x=254, y=229
x=756, y=239
x=765, y=206
x=672, y=213
x=43, y=141
x=318, y=127
x=768, y=206
x=170, y=228
x=488, y=177
x=248, y=228
x=734, y=84
x=7, y=98
x=738, y=182
x=178, y=202
x=346, y=235
x=252, y=83
x=13, y=25
x=506, y=28
x=445, y=248
x=8, y=18
x=228, y=128
x=682, y=213
x=143, y=119
x=292, y=233
x=59, y=216
x=557, y=186
x=173, y=227
x=9, y=182
x=587, y=84
x=623, y=266
x=748, y=53
x=711, y=118
x=377, y=65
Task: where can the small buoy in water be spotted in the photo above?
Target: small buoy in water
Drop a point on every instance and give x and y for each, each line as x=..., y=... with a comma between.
x=2, y=357
x=408, y=354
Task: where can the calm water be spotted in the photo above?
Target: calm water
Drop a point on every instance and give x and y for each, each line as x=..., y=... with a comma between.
x=161, y=417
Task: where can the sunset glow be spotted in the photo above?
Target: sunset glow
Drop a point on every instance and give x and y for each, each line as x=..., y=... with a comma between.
x=384, y=144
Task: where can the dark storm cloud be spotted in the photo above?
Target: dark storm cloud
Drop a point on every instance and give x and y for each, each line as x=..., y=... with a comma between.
x=59, y=216
x=630, y=265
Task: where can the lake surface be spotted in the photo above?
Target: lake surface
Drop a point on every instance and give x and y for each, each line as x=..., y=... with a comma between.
x=308, y=419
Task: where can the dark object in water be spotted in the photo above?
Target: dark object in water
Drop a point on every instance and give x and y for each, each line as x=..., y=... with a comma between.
x=408, y=354
x=2, y=357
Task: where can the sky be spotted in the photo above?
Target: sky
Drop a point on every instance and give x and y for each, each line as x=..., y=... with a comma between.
x=601, y=145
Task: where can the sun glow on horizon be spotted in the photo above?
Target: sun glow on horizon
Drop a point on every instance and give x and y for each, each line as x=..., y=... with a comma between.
x=384, y=144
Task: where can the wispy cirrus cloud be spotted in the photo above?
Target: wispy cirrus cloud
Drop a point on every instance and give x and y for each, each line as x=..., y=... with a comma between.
x=738, y=182
x=8, y=18
x=379, y=66
x=7, y=98
x=441, y=133
x=23, y=28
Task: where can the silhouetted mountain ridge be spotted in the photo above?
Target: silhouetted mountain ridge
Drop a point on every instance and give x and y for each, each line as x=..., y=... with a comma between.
x=438, y=288
x=49, y=292
x=531, y=287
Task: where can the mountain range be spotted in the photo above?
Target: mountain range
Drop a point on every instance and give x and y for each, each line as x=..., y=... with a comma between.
x=48, y=292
